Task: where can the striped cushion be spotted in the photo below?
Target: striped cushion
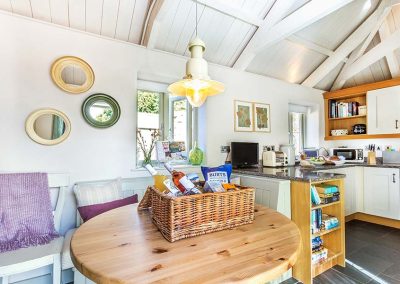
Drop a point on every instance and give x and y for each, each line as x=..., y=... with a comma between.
x=89, y=194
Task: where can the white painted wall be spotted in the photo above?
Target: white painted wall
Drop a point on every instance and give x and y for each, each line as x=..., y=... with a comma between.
x=28, y=49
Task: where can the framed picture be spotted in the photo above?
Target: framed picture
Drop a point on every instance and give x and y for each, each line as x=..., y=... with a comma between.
x=244, y=118
x=262, y=117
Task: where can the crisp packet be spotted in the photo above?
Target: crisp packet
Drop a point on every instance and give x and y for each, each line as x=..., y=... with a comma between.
x=213, y=186
x=221, y=174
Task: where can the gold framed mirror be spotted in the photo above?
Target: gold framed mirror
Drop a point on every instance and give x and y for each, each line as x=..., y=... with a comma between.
x=72, y=74
x=48, y=126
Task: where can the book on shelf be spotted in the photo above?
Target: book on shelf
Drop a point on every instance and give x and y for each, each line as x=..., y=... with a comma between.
x=329, y=198
x=319, y=255
x=315, y=199
x=339, y=109
x=329, y=222
x=322, y=222
x=316, y=244
x=316, y=220
x=326, y=188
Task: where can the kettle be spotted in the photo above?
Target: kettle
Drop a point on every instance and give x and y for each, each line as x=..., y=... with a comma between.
x=289, y=150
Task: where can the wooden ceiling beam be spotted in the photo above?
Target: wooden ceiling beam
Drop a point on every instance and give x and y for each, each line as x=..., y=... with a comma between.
x=379, y=51
x=350, y=44
x=275, y=29
x=381, y=12
x=229, y=10
x=391, y=58
x=155, y=16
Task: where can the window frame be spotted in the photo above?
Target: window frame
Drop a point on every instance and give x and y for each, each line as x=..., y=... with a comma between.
x=165, y=113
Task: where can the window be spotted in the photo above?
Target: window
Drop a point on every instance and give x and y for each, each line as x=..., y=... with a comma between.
x=297, y=131
x=170, y=115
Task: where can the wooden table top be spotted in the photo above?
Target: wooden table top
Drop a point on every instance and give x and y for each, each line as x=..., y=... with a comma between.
x=124, y=246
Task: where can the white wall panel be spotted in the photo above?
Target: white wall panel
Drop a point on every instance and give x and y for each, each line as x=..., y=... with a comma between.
x=41, y=10
x=94, y=14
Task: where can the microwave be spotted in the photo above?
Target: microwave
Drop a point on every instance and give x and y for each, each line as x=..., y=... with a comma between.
x=350, y=154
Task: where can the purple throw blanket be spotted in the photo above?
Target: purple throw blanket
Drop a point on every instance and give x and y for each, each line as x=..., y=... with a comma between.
x=26, y=217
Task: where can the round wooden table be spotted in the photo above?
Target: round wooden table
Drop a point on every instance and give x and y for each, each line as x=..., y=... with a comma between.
x=124, y=246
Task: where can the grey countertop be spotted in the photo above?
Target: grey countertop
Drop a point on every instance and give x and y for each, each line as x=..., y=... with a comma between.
x=305, y=174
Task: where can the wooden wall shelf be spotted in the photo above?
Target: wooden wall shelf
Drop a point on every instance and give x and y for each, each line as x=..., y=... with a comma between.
x=362, y=136
x=349, y=117
x=354, y=94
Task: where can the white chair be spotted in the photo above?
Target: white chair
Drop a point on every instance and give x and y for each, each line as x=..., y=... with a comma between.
x=27, y=259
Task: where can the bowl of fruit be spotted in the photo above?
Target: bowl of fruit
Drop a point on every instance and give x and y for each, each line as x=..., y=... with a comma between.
x=337, y=160
x=317, y=161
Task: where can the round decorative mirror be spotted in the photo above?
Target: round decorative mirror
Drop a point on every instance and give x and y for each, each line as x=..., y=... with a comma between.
x=101, y=110
x=48, y=126
x=72, y=74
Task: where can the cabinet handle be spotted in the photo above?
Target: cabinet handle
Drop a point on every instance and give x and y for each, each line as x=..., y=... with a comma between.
x=397, y=124
x=394, y=178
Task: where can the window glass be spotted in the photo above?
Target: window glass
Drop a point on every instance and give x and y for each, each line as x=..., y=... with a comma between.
x=148, y=117
x=171, y=116
x=297, y=131
x=179, y=120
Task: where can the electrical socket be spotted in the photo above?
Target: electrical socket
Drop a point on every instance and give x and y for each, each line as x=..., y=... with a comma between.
x=225, y=149
x=269, y=148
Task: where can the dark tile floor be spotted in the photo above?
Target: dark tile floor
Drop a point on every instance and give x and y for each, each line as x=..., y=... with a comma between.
x=372, y=255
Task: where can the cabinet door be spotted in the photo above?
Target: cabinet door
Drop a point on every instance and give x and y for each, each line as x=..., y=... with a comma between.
x=350, y=188
x=382, y=192
x=383, y=114
x=272, y=193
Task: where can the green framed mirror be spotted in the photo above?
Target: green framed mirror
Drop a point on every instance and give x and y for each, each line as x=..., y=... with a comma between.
x=101, y=110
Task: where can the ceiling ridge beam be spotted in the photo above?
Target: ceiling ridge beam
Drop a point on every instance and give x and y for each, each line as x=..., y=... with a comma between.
x=379, y=51
x=393, y=63
x=275, y=29
x=228, y=10
x=350, y=44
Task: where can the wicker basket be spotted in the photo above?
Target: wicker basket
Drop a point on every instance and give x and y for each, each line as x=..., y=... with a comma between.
x=193, y=215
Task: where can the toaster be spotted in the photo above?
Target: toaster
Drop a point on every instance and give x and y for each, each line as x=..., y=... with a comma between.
x=274, y=159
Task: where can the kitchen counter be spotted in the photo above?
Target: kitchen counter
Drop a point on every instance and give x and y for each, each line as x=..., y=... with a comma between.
x=306, y=174
x=295, y=173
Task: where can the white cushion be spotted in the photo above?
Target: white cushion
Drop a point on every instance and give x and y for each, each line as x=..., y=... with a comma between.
x=31, y=253
x=89, y=194
x=66, y=261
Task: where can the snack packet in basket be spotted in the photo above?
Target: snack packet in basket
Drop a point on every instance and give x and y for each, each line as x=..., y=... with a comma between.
x=220, y=174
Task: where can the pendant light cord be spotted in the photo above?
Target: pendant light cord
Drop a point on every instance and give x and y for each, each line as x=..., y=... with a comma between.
x=196, y=19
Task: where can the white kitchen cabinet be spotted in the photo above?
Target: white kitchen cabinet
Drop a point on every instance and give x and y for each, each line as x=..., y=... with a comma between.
x=272, y=193
x=382, y=192
x=383, y=111
x=352, y=188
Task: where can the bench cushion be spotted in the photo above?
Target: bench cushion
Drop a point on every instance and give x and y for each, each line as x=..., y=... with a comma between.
x=31, y=253
x=66, y=262
x=88, y=194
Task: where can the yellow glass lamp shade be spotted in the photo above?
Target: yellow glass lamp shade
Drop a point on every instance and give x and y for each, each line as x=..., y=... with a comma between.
x=196, y=86
x=196, y=90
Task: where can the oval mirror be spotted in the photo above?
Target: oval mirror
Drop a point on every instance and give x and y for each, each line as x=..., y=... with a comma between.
x=72, y=74
x=48, y=126
x=101, y=110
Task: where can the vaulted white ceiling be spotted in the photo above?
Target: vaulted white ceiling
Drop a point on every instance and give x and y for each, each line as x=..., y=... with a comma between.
x=327, y=44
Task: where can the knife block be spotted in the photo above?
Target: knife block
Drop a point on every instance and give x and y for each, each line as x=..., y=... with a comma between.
x=371, y=160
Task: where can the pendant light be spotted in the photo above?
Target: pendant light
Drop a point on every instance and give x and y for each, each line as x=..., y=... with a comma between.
x=196, y=85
